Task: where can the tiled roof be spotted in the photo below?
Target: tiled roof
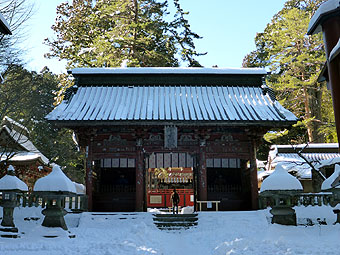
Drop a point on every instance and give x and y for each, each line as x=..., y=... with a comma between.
x=171, y=103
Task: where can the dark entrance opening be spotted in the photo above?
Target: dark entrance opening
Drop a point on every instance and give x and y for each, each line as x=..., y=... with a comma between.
x=116, y=190
x=225, y=185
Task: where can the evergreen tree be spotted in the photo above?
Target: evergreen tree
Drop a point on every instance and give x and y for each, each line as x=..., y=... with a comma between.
x=104, y=33
x=295, y=61
x=27, y=97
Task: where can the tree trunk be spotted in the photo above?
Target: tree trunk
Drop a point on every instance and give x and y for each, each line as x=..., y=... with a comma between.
x=308, y=114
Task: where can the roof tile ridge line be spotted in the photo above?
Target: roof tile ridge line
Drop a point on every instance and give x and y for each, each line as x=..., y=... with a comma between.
x=268, y=100
x=233, y=88
x=198, y=111
x=218, y=101
x=229, y=101
x=212, y=102
x=245, y=92
x=191, y=108
x=246, y=105
x=227, y=104
x=204, y=111
x=185, y=100
x=179, y=101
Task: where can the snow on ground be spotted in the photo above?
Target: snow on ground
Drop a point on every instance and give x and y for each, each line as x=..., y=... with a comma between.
x=218, y=233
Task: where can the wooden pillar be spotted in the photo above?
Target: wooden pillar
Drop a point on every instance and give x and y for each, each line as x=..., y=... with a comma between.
x=139, y=176
x=202, y=173
x=331, y=35
x=253, y=176
x=89, y=174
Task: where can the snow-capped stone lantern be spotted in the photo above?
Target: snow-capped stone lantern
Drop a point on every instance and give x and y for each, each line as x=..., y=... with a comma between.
x=53, y=188
x=332, y=184
x=11, y=188
x=281, y=187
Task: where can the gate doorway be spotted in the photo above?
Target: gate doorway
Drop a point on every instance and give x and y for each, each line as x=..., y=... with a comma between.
x=162, y=181
x=115, y=189
x=166, y=171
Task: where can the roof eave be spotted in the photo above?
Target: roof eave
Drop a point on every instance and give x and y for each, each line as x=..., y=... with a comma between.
x=326, y=10
x=4, y=27
x=260, y=123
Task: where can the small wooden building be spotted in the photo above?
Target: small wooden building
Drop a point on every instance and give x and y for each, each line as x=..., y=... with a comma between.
x=130, y=121
x=16, y=149
x=317, y=154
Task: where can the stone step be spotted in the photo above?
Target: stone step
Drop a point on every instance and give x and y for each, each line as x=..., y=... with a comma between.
x=175, y=221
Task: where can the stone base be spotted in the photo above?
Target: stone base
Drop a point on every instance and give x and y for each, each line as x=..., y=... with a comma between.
x=7, y=220
x=54, y=217
x=10, y=232
x=283, y=216
x=337, y=212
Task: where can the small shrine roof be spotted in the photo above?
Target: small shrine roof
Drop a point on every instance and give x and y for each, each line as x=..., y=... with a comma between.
x=19, y=134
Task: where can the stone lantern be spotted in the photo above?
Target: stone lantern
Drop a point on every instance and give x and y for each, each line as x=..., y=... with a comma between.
x=281, y=187
x=331, y=184
x=10, y=186
x=53, y=188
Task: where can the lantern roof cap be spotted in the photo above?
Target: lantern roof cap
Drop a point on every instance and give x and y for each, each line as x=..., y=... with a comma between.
x=56, y=181
x=12, y=183
x=280, y=179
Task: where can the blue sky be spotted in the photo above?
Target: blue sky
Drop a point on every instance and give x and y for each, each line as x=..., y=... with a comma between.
x=228, y=29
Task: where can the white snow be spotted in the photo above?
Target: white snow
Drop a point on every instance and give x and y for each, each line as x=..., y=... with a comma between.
x=80, y=188
x=324, y=9
x=335, y=51
x=9, y=182
x=168, y=70
x=327, y=184
x=217, y=233
x=55, y=181
x=280, y=179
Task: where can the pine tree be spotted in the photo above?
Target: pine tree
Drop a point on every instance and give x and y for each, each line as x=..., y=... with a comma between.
x=105, y=33
x=295, y=61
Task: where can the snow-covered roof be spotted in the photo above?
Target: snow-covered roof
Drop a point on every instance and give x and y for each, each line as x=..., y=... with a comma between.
x=168, y=70
x=300, y=168
x=334, y=146
x=280, y=179
x=335, y=51
x=326, y=9
x=172, y=103
x=55, y=181
x=21, y=156
x=19, y=137
x=327, y=184
x=11, y=182
x=4, y=27
x=80, y=188
x=319, y=155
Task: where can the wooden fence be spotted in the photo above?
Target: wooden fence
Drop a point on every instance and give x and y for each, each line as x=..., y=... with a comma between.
x=76, y=203
x=302, y=199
